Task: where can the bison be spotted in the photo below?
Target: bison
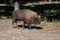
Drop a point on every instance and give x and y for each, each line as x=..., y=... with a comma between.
x=27, y=16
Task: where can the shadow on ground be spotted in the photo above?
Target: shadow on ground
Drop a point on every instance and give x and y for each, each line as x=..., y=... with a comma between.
x=32, y=27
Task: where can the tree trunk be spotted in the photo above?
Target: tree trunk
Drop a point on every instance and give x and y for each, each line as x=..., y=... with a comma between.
x=49, y=0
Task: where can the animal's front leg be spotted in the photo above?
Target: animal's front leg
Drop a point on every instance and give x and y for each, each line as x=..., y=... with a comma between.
x=29, y=25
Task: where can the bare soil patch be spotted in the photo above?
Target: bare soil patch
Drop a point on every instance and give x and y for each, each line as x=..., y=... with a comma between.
x=49, y=31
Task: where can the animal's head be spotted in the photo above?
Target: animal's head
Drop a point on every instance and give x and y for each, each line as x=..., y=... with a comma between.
x=37, y=20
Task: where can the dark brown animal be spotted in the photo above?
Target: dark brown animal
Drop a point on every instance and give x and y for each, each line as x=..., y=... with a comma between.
x=27, y=16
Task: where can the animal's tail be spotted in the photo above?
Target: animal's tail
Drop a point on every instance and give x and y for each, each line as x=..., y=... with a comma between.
x=16, y=6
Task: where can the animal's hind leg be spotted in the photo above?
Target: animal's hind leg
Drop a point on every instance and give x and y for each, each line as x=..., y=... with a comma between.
x=23, y=25
x=29, y=25
x=14, y=23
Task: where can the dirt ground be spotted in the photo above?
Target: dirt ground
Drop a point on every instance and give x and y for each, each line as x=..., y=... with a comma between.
x=48, y=31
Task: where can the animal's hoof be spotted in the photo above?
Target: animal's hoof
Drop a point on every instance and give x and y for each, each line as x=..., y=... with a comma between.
x=17, y=27
x=30, y=28
x=14, y=27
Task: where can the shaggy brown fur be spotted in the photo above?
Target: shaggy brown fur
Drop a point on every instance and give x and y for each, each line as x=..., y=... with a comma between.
x=27, y=16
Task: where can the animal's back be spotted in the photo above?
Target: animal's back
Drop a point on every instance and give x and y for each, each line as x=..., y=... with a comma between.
x=29, y=14
x=18, y=14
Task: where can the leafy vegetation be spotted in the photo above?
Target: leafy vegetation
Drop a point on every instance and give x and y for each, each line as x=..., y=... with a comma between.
x=43, y=10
